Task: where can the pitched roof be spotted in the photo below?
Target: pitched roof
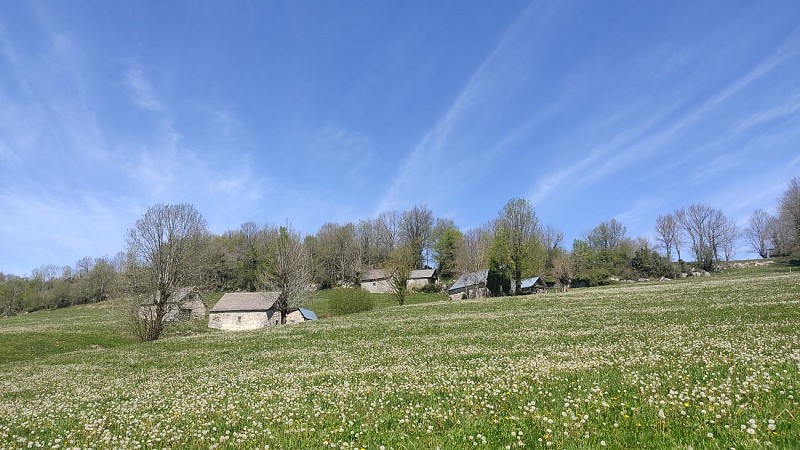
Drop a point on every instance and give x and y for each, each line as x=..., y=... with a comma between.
x=530, y=282
x=307, y=314
x=374, y=274
x=470, y=279
x=246, y=301
x=422, y=273
x=178, y=295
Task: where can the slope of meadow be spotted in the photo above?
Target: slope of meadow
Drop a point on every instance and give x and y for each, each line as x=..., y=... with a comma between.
x=703, y=363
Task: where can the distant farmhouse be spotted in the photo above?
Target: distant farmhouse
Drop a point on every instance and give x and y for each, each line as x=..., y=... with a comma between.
x=252, y=310
x=533, y=285
x=422, y=277
x=469, y=285
x=376, y=281
x=184, y=304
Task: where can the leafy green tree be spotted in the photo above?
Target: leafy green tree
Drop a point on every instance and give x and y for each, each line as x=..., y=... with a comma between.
x=446, y=242
x=498, y=280
x=517, y=242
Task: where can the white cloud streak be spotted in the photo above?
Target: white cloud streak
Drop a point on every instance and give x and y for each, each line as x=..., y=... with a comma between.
x=627, y=147
x=428, y=152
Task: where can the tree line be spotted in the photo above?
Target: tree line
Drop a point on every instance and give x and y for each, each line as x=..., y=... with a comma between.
x=514, y=245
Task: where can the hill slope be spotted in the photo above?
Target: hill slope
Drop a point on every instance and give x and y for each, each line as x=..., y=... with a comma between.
x=707, y=363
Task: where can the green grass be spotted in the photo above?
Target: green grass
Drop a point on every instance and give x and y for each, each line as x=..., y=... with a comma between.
x=45, y=333
x=690, y=363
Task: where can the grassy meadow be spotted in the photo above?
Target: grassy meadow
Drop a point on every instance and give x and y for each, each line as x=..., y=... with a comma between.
x=703, y=363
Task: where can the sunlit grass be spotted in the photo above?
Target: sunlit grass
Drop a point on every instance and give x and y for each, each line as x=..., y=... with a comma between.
x=704, y=363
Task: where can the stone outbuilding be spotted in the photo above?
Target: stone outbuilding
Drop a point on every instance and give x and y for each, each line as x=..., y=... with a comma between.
x=376, y=281
x=422, y=277
x=469, y=285
x=533, y=285
x=252, y=310
x=299, y=315
x=184, y=304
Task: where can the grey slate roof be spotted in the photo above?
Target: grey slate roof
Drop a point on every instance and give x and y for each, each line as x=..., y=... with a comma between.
x=374, y=274
x=470, y=279
x=530, y=282
x=177, y=296
x=246, y=301
x=422, y=273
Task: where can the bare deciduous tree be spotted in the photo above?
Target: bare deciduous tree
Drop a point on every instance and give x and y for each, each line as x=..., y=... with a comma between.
x=563, y=270
x=11, y=291
x=757, y=232
x=415, y=230
x=387, y=229
x=788, y=224
x=366, y=244
x=290, y=271
x=668, y=235
x=607, y=235
x=399, y=268
x=710, y=233
x=551, y=238
x=84, y=266
x=473, y=256
x=337, y=252
x=163, y=242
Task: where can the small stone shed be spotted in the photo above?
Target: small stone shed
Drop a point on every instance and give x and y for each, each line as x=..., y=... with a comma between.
x=470, y=285
x=422, y=277
x=299, y=315
x=533, y=285
x=184, y=304
x=376, y=281
x=237, y=311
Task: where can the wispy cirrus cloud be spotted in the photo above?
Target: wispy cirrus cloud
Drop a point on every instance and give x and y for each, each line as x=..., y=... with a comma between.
x=142, y=92
x=640, y=138
x=433, y=151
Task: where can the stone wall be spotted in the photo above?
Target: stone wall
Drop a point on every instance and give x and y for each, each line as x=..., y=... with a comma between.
x=237, y=321
x=293, y=317
x=469, y=292
x=418, y=282
x=377, y=286
x=188, y=306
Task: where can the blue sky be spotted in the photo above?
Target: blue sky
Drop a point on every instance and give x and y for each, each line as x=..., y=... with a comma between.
x=319, y=112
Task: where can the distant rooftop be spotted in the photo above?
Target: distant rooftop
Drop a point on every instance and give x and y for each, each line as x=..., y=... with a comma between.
x=246, y=301
x=422, y=273
x=470, y=279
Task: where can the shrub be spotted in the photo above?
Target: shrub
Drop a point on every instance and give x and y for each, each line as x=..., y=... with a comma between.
x=350, y=300
x=431, y=288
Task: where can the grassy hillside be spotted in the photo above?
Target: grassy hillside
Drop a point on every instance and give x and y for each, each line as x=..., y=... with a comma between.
x=706, y=363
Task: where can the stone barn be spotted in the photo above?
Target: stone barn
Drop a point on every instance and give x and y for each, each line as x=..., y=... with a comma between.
x=184, y=304
x=252, y=310
x=533, y=285
x=376, y=281
x=422, y=277
x=470, y=285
